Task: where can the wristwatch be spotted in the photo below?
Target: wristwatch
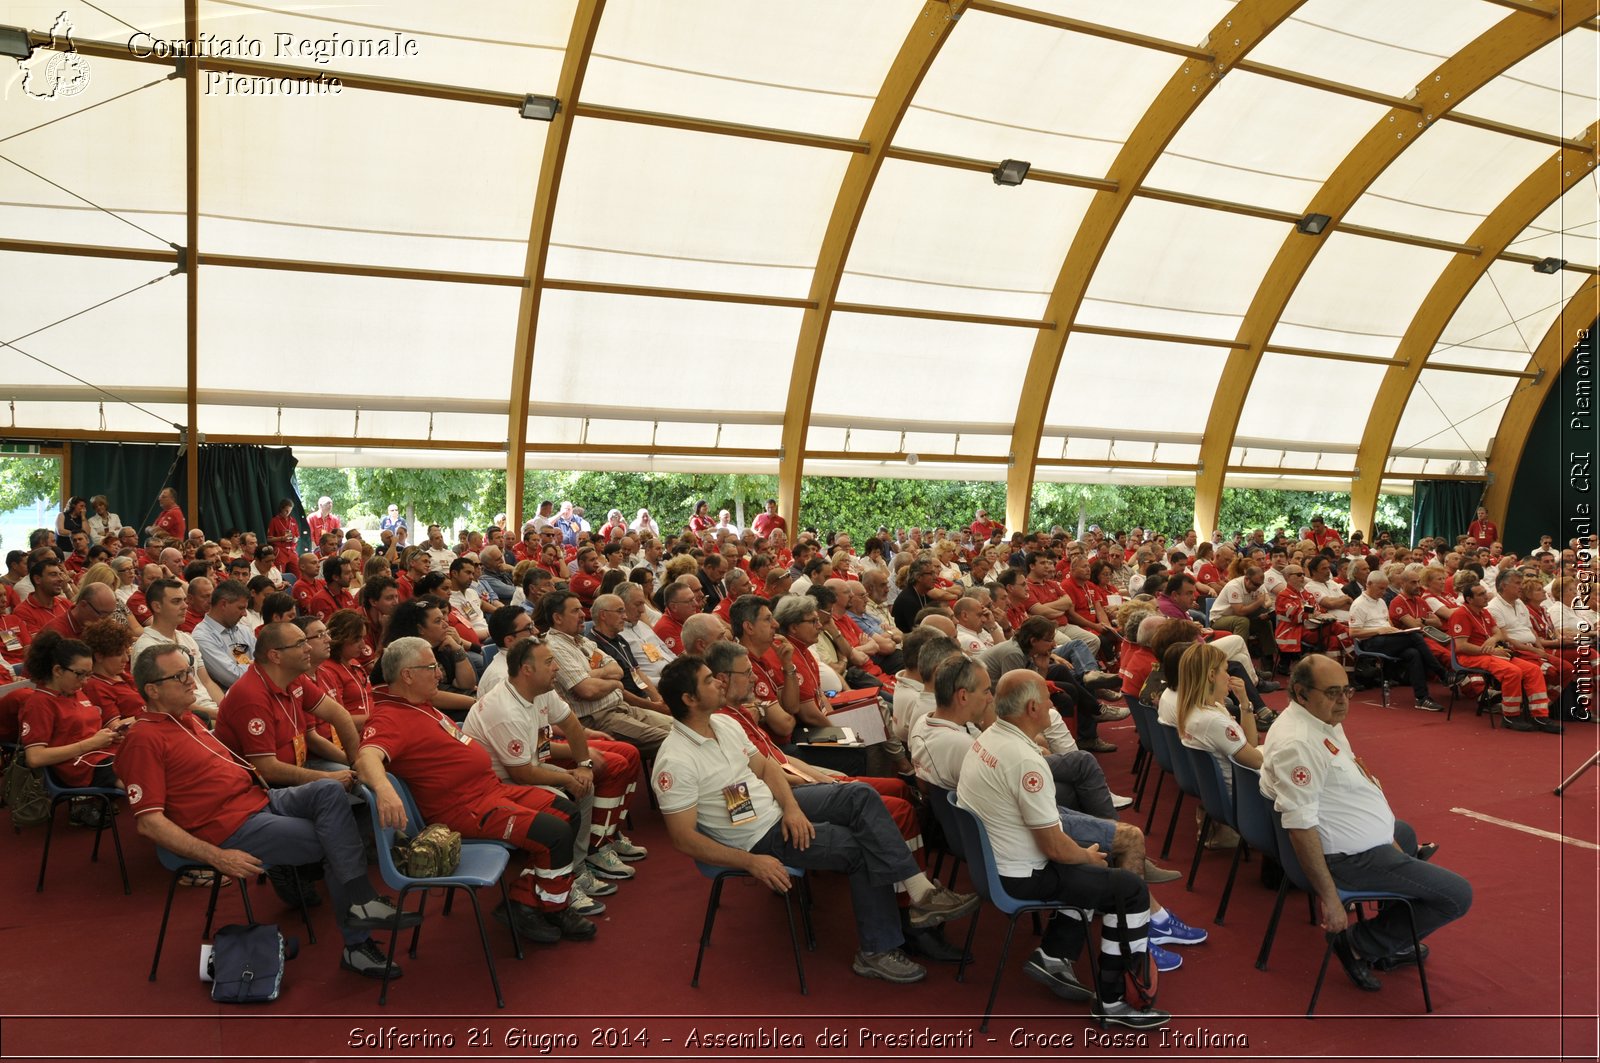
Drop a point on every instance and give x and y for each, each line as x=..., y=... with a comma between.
x=586, y=764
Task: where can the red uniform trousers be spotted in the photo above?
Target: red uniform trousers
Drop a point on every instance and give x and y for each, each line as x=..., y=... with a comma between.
x=1519, y=678
x=536, y=821
x=612, y=785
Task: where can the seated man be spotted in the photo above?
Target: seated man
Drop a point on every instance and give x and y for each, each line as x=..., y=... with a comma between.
x=1002, y=782
x=515, y=723
x=939, y=745
x=453, y=781
x=44, y=602
x=507, y=627
x=334, y=594
x=461, y=586
x=1481, y=644
x=648, y=649
x=167, y=608
x=191, y=796
x=267, y=716
x=1345, y=834
x=1244, y=608
x=591, y=682
x=227, y=643
x=1371, y=628
x=726, y=804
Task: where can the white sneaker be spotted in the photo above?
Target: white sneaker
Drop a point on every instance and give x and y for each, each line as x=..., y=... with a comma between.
x=1119, y=802
x=580, y=902
x=626, y=850
x=594, y=887
x=607, y=864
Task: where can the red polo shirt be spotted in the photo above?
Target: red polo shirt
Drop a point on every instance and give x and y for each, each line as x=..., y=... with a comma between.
x=51, y=719
x=1474, y=627
x=179, y=768
x=114, y=697
x=171, y=521
x=586, y=587
x=326, y=602
x=444, y=768
x=35, y=617
x=64, y=625
x=669, y=630
x=1404, y=606
x=308, y=587
x=258, y=718
x=139, y=608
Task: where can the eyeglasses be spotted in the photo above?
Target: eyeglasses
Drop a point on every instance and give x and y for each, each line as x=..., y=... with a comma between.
x=80, y=673
x=1336, y=693
x=293, y=645
x=434, y=667
x=184, y=676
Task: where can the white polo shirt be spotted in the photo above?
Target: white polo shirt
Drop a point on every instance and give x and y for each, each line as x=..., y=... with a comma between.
x=1006, y=783
x=1329, y=590
x=1310, y=774
x=1058, y=736
x=912, y=701
x=1273, y=583
x=1233, y=593
x=973, y=643
x=1513, y=619
x=152, y=637
x=692, y=771
x=1367, y=612
x=652, y=654
x=938, y=748
x=1213, y=730
x=515, y=731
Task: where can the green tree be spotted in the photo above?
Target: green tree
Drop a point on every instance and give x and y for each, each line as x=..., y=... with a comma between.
x=26, y=480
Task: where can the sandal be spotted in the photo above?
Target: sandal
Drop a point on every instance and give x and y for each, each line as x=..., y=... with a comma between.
x=200, y=876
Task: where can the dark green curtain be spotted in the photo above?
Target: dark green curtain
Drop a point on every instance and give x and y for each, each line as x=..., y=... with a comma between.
x=240, y=486
x=1443, y=507
x=1544, y=498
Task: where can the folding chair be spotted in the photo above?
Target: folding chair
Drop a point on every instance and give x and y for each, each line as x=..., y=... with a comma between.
x=483, y=863
x=986, y=880
x=1384, y=661
x=719, y=875
x=1459, y=672
x=181, y=865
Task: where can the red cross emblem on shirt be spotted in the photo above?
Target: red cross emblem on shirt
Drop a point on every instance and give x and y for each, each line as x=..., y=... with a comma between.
x=1033, y=782
x=664, y=781
x=1301, y=777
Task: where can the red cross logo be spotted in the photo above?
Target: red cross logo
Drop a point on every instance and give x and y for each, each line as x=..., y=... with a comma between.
x=664, y=781
x=258, y=727
x=1033, y=782
x=516, y=747
x=135, y=794
x=1301, y=777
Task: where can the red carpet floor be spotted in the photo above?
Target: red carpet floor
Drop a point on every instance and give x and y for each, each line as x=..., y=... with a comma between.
x=1516, y=978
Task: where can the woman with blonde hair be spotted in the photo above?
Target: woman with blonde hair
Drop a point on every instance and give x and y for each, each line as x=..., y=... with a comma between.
x=1203, y=719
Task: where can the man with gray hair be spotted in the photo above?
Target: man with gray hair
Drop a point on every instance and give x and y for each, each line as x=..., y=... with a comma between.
x=189, y=796
x=1002, y=782
x=700, y=631
x=590, y=681
x=226, y=642
x=1371, y=627
x=453, y=781
x=648, y=650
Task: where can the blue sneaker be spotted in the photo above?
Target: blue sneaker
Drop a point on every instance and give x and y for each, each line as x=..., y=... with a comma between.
x=1168, y=929
x=1165, y=961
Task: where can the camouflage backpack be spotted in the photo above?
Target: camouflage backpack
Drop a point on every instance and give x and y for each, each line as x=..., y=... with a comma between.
x=433, y=853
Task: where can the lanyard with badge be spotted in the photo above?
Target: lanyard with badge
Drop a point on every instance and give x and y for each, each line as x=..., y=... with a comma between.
x=443, y=721
x=297, y=724
x=628, y=660
x=736, y=795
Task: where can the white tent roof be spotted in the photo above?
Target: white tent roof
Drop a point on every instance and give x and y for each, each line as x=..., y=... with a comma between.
x=363, y=256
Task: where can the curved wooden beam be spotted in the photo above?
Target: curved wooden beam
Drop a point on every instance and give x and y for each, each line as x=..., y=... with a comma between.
x=1499, y=48
x=1553, y=352
x=580, y=42
x=1233, y=38
x=1544, y=186
x=926, y=36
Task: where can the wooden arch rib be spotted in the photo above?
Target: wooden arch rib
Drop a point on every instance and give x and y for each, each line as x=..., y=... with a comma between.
x=1499, y=48
x=1233, y=38
x=1553, y=353
x=926, y=36
x=1547, y=184
x=580, y=42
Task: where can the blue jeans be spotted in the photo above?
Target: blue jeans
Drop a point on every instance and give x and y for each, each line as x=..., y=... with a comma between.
x=856, y=835
x=304, y=824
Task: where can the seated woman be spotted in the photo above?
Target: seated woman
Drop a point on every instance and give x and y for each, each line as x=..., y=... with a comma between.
x=343, y=674
x=111, y=686
x=1203, y=720
x=61, y=728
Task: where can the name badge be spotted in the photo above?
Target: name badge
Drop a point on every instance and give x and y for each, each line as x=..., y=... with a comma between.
x=652, y=652
x=544, y=743
x=741, y=809
x=596, y=659
x=13, y=641
x=300, y=750
x=241, y=653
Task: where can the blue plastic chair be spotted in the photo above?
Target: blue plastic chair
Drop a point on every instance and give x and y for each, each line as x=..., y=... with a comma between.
x=986, y=880
x=105, y=798
x=179, y=866
x=1458, y=672
x=938, y=799
x=483, y=863
x=1384, y=661
x=1293, y=872
x=719, y=875
x=1182, y=773
x=1145, y=722
x=1252, y=818
x=1214, y=797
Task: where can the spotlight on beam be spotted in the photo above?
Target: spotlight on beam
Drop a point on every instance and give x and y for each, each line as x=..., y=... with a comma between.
x=1313, y=224
x=540, y=108
x=1550, y=265
x=1010, y=172
x=14, y=42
